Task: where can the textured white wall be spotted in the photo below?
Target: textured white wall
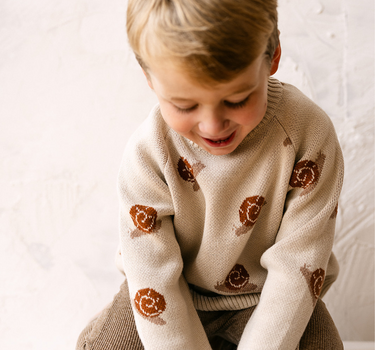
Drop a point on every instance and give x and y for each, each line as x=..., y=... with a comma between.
x=71, y=93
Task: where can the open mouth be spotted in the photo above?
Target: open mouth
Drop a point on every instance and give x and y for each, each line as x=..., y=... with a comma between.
x=221, y=142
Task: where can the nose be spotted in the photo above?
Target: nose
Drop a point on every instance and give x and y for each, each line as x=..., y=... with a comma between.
x=213, y=123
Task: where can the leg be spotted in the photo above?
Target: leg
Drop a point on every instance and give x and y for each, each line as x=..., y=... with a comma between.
x=218, y=343
x=224, y=328
x=321, y=332
x=114, y=328
x=213, y=323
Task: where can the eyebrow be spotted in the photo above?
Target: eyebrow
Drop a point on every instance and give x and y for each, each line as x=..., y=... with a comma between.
x=242, y=88
x=180, y=99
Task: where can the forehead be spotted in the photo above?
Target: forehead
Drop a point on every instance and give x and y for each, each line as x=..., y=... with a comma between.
x=174, y=81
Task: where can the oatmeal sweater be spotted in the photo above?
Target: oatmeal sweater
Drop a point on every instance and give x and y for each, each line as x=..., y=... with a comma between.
x=254, y=227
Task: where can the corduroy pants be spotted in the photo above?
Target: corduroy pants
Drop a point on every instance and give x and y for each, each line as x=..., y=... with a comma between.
x=114, y=328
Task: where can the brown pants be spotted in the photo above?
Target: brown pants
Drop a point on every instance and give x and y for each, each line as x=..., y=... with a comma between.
x=114, y=328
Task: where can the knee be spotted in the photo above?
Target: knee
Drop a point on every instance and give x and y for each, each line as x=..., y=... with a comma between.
x=321, y=331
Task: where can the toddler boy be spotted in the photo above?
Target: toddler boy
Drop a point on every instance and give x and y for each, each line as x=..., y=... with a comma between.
x=228, y=191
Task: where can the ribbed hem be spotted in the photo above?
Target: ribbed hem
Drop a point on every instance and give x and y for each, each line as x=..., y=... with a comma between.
x=224, y=302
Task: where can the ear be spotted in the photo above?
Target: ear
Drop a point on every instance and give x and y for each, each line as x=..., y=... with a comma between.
x=275, y=60
x=148, y=79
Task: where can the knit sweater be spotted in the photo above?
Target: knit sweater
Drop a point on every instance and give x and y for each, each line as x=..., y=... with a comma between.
x=253, y=227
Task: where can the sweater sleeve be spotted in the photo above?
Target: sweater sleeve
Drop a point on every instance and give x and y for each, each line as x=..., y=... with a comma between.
x=297, y=262
x=162, y=305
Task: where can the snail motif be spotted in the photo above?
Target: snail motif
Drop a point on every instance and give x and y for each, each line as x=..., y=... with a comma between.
x=144, y=218
x=237, y=281
x=287, y=142
x=335, y=212
x=237, y=278
x=305, y=173
x=250, y=210
x=149, y=303
x=185, y=170
x=316, y=282
x=189, y=172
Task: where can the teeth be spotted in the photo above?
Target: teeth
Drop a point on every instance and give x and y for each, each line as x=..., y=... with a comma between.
x=220, y=141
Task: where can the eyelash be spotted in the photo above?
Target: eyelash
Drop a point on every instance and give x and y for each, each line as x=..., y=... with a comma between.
x=232, y=105
x=236, y=105
x=186, y=110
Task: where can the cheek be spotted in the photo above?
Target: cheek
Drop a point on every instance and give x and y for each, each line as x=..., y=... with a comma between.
x=253, y=114
x=177, y=121
x=260, y=106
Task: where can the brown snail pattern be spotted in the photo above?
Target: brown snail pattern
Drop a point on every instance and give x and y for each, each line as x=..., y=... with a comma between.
x=144, y=219
x=188, y=172
x=150, y=304
x=315, y=281
x=249, y=213
x=287, y=142
x=335, y=211
x=236, y=281
x=306, y=173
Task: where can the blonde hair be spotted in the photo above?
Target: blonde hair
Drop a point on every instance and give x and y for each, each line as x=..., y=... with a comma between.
x=213, y=40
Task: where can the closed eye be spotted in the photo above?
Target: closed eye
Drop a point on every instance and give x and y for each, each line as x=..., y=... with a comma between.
x=237, y=104
x=233, y=105
x=186, y=110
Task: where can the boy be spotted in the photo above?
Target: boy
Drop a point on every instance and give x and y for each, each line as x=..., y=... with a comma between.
x=228, y=191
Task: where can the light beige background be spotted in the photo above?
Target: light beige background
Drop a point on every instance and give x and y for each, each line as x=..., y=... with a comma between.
x=71, y=93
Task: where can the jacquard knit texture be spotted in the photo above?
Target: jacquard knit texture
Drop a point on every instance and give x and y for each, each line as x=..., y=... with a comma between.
x=254, y=227
x=114, y=328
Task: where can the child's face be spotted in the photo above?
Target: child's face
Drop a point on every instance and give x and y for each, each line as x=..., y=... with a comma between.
x=216, y=118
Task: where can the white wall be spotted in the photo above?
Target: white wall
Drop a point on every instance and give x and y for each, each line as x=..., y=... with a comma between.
x=71, y=93
x=329, y=54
